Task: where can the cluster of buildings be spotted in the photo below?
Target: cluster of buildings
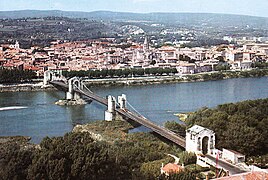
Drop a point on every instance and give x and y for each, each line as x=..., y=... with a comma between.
x=106, y=54
x=201, y=141
x=230, y=164
x=245, y=40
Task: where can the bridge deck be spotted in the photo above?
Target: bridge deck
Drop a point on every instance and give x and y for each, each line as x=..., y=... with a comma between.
x=226, y=166
x=137, y=118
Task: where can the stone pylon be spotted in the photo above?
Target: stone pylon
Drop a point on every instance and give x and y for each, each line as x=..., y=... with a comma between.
x=110, y=112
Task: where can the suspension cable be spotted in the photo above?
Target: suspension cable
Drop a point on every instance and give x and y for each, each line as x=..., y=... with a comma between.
x=134, y=109
x=83, y=84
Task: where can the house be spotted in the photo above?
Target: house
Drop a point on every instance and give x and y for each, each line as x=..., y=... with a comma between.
x=234, y=56
x=186, y=68
x=233, y=156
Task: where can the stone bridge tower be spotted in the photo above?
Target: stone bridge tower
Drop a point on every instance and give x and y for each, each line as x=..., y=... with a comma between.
x=200, y=140
x=110, y=113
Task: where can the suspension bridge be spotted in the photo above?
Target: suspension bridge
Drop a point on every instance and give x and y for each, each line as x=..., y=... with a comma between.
x=75, y=89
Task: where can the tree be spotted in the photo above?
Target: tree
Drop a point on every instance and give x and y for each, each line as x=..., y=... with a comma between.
x=75, y=156
x=126, y=72
x=239, y=126
x=176, y=127
x=16, y=76
x=221, y=59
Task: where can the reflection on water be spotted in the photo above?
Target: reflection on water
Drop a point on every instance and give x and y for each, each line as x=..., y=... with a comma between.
x=157, y=102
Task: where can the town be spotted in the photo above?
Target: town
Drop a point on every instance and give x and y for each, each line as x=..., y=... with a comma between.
x=105, y=53
x=106, y=93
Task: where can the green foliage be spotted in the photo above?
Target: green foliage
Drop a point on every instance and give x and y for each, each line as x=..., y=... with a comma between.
x=260, y=161
x=223, y=74
x=222, y=67
x=241, y=126
x=261, y=65
x=184, y=58
x=14, y=160
x=75, y=156
x=141, y=148
x=104, y=73
x=184, y=175
x=15, y=76
x=194, y=168
x=151, y=170
x=176, y=127
x=187, y=158
x=78, y=156
x=220, y=58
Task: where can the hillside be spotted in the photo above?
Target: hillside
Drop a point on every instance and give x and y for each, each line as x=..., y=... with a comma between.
x=175, y=18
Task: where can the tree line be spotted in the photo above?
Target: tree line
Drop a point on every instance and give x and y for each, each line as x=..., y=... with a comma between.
x=16, y=76
x=104, y=73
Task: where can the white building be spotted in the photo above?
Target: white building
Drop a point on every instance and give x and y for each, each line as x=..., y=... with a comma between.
x=233, y=156
x=200, y=140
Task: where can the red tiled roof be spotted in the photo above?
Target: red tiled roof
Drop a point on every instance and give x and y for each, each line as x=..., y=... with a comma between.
x=9, y=65
x=247, y=176
x=33, y=68
x=172, y=168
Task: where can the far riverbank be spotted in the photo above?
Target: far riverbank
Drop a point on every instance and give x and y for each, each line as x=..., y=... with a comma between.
x=211, y=76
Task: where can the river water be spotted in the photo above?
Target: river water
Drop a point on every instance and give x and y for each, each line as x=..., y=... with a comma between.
x=35, y=114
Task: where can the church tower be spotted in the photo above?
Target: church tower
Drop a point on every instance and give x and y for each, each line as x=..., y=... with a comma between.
x=146, y=44
x=17, y=45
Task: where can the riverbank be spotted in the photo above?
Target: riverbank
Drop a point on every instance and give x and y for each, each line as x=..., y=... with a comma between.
x=37, y=86
x=148, y=80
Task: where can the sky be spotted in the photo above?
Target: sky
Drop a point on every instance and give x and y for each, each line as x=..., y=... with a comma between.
x=244, y=7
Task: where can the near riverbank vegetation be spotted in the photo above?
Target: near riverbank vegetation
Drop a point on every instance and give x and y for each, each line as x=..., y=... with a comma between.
x=227, y=75
x=16, y=76
x=125, y=73
x=238, y=126
x=169, y=75
x=106, y=73
x=78, y=155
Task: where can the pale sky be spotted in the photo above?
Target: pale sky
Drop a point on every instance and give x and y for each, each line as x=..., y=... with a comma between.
x=245, y=7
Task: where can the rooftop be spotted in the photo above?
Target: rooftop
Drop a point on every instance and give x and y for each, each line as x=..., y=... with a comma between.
x=247, y=176
x=172, y=168
x=196, y=129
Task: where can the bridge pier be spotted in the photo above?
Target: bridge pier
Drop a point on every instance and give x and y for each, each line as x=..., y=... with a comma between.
x=122, y=101
x=110, y=112
x=72, y=97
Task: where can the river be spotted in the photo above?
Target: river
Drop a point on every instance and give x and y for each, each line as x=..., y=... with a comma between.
x=35, y=114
